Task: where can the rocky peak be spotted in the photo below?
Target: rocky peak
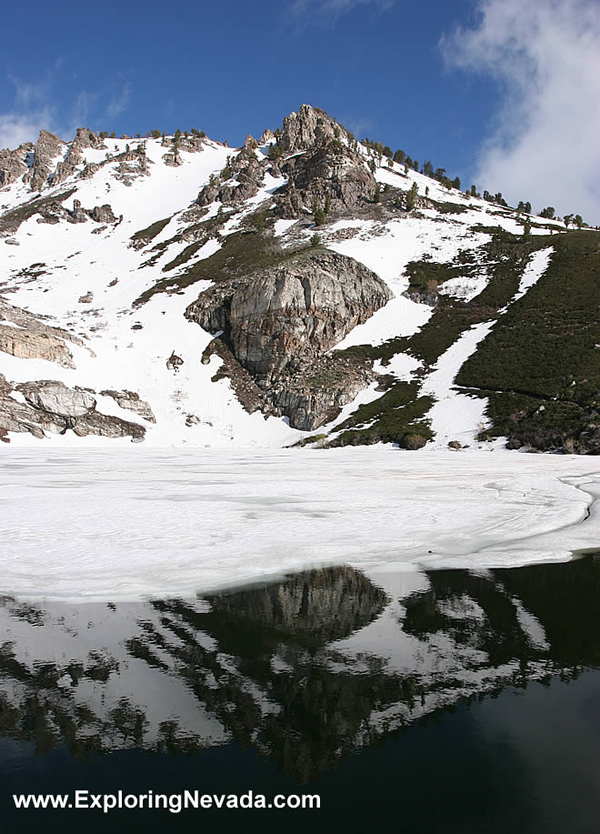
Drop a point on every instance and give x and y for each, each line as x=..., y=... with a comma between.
x=307, y=128
x=13, y=164
x=331, y=176
x=45, y=150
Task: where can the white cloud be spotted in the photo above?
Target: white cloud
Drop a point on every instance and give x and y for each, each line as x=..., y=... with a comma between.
x=16, y=128
x=545, y=57
x=35, y=107
x=118, y=104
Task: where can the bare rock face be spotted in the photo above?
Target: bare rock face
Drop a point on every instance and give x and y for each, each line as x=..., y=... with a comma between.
x=103, y=214
x=131, y=401
x=331, y=177
x=307, y=128
x=245, y=175
x=27, y=336
x=55, y=398
x=280, y=322
x=50, y=406
x=84, y=138
x=45, y=151
x=13, y=164
x=26, y=345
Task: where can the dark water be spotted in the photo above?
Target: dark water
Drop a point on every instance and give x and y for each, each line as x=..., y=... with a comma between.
x=442, y=702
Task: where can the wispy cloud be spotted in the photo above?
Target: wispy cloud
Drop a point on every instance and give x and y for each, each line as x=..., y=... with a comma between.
x=36, y=106
x=119, y=103
x=545, y=57
x=16, y=128
x=328, y=12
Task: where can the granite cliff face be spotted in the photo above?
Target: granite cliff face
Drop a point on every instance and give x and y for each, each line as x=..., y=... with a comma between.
x=332, y=177
x=280, y=322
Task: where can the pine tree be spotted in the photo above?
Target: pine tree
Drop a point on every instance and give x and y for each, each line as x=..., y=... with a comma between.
x=547, y=212
x=411, y=196
x=318, y=213
x=578, y=220
x=399, y=156
x=377, y=196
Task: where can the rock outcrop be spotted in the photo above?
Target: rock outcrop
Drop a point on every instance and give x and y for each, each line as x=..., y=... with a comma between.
x=84, y=139
x=332, y=178
x=131, y=401
x=280, y=322
x=45, y=151
x=13, y=164
x=239, y=180
x=310, y=127
x=27, y=336
x=51, y=406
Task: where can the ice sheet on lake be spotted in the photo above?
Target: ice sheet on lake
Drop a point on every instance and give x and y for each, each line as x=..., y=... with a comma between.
x=144, y=522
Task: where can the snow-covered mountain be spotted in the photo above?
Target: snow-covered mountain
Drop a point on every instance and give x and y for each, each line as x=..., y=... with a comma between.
x=302, y=288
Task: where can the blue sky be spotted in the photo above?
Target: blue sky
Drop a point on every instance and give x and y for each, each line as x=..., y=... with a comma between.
x=441, y=79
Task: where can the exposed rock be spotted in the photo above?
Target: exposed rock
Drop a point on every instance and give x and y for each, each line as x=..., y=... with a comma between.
x=87, y=298
x=173, y=159
x=131, y=401
x=332, y=178
x=13, y=164
x=103, y=214
x=26, y=345
x=55, y=398
x=245, y=174
x=78, y=215
x=307, y=128
x=45, y=151
x=89, y=170
x=280, y=322
x=49, y=405
x=10, y=241
x=174, y=362
x=266, y=136
x=32, y=338
x=191, y=144
x=244, y=386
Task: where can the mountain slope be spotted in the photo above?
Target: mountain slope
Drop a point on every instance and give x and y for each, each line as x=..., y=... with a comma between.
x=176, y=291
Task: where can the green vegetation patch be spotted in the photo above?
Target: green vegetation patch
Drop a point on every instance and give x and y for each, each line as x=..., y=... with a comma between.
x=542, y=351
x=12, y=219
x=396, y=417
x=150, y=232
x=242, y=252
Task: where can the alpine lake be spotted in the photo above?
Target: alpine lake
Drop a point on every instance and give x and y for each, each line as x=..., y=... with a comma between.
x=443, y=701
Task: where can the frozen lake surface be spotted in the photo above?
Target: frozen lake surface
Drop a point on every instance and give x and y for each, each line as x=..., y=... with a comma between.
x=128, y=524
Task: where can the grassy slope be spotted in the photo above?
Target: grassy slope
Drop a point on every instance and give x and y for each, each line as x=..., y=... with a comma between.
x=540, y=365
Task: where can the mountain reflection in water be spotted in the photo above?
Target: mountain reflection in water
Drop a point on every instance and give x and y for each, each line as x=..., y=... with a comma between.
x=305, y=670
